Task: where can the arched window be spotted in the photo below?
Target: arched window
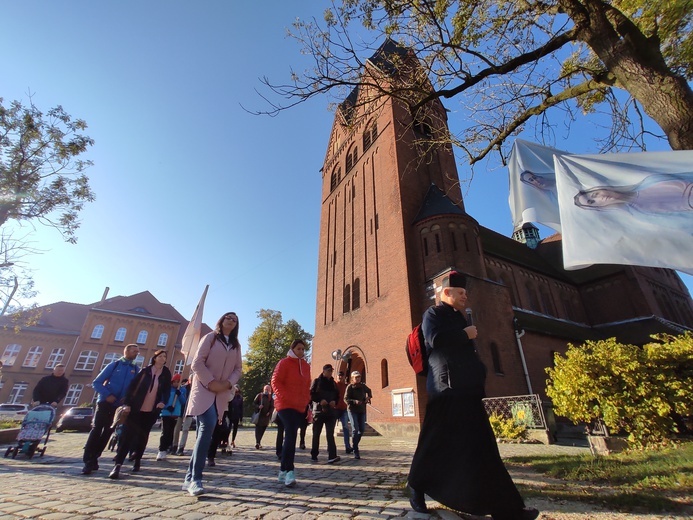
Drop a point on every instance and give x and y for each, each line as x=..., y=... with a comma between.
x=87, y=360
x=73, y=395
x=384, y=375
x=495, y=356
x=56, y=357
x=142, y=337
x=97, y=333
x=10, y=354
x=163, y=339
x=32, y=357
x=120, y=334
x=369, y=135
x=139, y=360
x=335, y=178
x=352, y=156
x=109, y=358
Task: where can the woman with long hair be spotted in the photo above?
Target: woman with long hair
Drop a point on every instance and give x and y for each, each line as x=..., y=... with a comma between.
x=291, y=384
x=217, y=367
x=146, y=396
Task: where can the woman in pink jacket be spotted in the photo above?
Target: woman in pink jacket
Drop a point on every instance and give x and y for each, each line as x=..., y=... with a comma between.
x=291, y=384
x=217, y=367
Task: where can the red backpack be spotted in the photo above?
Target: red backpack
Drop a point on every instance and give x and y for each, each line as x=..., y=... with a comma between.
x=416, y=351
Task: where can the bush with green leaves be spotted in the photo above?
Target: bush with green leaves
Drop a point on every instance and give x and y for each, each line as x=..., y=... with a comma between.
x=643, y=391
x=507, y=428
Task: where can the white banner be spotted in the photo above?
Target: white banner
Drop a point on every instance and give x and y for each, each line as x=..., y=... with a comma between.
x=191, y=338
x=629, y=208
x=533, y=195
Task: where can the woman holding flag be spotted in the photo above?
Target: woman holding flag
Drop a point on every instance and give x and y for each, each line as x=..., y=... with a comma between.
x=217, y=367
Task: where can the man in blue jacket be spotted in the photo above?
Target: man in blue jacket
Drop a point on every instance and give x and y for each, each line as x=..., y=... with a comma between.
x=111, y=385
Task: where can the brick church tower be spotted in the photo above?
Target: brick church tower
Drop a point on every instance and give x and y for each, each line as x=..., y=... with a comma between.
x=392, y=222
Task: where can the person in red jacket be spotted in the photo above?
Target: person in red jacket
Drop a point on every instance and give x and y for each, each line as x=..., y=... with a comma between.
x=291, y=385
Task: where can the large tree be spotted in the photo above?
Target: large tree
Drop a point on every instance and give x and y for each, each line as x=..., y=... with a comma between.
x=514, y=63
x=41, y=173
x=267, y=345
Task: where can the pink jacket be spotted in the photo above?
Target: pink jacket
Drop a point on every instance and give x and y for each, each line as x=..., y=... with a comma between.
x=291, y=383
x=213, y=361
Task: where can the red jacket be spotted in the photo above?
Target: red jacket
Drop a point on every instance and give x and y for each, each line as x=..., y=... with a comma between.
x=291, y=384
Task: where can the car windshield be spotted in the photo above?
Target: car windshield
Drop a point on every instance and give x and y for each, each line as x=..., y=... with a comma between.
x=80, y=411
x=11, y=407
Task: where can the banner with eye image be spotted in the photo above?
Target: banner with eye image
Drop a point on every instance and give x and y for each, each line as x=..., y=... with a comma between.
x=626, y=208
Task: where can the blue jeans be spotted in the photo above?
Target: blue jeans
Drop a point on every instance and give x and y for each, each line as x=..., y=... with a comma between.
x=292, y=421
x=344, y=419
x=205, y=428
x=358, y=423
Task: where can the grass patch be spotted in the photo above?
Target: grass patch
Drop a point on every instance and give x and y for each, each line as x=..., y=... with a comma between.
x=6, y=424
x=647, y=481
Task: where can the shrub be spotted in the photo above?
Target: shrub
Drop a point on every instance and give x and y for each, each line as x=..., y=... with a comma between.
x=507, y=428
x=639, y=390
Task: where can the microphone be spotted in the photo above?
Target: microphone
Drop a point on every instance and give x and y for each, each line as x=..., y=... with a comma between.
x=470, y=320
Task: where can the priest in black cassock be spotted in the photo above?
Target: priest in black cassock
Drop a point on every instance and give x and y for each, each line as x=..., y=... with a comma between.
x=457, y=461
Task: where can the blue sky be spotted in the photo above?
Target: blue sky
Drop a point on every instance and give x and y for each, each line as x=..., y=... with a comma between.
x=190, y=188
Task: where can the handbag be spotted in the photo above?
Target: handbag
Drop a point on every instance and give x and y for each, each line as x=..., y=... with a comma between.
x=121, y=414
x=254, y=418
x=274, y=416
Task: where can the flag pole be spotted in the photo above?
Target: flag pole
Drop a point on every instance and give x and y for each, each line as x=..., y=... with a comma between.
x=191, y=337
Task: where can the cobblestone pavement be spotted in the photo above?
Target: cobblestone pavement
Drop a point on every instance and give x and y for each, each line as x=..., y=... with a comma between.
x=243, y=485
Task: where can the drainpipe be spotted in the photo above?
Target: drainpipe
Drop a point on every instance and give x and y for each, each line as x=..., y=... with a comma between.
x=519, y=332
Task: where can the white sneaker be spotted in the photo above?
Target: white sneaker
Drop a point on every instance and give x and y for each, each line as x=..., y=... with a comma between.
x=186, y=485
x=196, y=488
x=282, y=477
x=161, y=455
x=290, y=479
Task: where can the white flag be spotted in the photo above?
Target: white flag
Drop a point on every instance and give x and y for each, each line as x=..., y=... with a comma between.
x=191, y=338
x=627, y=208
x=533, y=196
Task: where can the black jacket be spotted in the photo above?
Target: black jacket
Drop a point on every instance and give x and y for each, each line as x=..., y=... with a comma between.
x=453, y=364
x=51, y=389
x=140, y=386
x=323, y=388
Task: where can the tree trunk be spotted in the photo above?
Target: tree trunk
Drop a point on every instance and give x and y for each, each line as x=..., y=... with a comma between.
x=639, y=67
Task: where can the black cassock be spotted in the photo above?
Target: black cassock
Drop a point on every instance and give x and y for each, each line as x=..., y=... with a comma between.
x=457, y=462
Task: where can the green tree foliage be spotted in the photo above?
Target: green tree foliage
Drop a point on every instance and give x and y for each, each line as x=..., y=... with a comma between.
x=41, y=174
x=512, y=64
x=268, y=344
x=643, y=391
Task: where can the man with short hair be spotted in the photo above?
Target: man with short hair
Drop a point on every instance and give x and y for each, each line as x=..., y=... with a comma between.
x=342, y=412
x=456, y=460
x=111, y=385
x=324, y=395
x=51, y=389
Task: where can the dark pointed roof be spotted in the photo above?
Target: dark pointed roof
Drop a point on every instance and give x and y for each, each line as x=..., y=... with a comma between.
x=436, y=203
x=388, y=59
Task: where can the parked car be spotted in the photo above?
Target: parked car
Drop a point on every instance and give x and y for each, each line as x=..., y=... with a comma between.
x=13, y=412
x=76, y=418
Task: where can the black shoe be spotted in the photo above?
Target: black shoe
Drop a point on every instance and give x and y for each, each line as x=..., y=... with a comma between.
x=350, y=451
x=528, y=513
x=357, y=455
x=210, y=462
x=115, y=472
x=136, y=466
x=417, y=500
x=302, y=446
x=86, y=470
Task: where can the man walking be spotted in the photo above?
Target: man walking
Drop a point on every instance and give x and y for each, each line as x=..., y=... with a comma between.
x=456, y=460
x=324, y=395
x=111, y=385
x=53, y=388
x=342, y=412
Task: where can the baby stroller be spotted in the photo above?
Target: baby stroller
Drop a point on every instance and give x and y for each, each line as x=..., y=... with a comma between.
x=36, y=424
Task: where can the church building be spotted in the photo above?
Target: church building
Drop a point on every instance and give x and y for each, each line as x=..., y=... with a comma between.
x=393, y=223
